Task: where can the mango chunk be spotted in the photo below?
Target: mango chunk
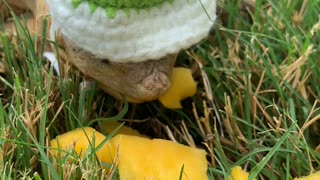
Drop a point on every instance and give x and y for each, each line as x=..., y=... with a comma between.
x=138, y=157
x=182, y=86
x=79, y=141
x=109, y=127
x=314, y=176
x=238, y=174
x=142, y=158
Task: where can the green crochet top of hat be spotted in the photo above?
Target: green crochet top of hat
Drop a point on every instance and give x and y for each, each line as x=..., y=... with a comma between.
x=112, y=6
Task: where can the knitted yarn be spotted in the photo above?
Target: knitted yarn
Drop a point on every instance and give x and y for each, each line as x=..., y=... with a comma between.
x=120, y=4
x=133, y=30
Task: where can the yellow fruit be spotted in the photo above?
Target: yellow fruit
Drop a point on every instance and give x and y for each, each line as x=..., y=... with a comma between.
x=182, y=86
x=238, y=174
x=314, y=176
x=138, y=157
x=79, y=141
x=109, y=127
x=141, y=158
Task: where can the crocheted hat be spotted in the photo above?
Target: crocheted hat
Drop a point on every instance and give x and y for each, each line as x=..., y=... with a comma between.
x=133, y=30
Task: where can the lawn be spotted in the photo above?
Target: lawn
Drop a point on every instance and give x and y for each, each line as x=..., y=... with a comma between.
x=257, y=103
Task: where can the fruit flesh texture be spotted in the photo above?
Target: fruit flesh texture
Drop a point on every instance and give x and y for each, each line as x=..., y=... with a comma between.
x=139, y=158
x=182, y=86
x=238, y=174
x=158, y=159
x=79, y=141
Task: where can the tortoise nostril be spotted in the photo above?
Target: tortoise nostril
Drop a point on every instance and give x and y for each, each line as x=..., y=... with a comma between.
x=157, y=82
x=105, y=61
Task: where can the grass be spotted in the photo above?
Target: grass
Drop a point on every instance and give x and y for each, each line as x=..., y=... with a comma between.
x=257, y=104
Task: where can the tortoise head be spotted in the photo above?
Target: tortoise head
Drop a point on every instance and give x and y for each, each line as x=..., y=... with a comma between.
x=135, y=82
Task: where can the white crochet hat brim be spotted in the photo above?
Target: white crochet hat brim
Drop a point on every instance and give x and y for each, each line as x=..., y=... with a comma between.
x=136, y=36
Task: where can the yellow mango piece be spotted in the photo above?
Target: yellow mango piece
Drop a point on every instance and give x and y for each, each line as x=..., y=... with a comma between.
x=314, y=176
x=109, y=127
x=79, y=141
x=182, y=86
x=138, y=157
x=238, y=174
x=142, y=158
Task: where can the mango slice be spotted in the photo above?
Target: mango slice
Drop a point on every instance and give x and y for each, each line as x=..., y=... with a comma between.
x=238, y=174
x=314, y=176
x=182, y=86
x=141, y=158
x=79, y=140
x=138, y=157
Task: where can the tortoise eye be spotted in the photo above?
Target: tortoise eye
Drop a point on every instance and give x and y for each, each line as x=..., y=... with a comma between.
x=105, y=61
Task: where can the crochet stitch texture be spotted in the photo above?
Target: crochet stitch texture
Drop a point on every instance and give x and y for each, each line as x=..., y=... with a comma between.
x=138, y=4
x=112, y=6
x=156, y=29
